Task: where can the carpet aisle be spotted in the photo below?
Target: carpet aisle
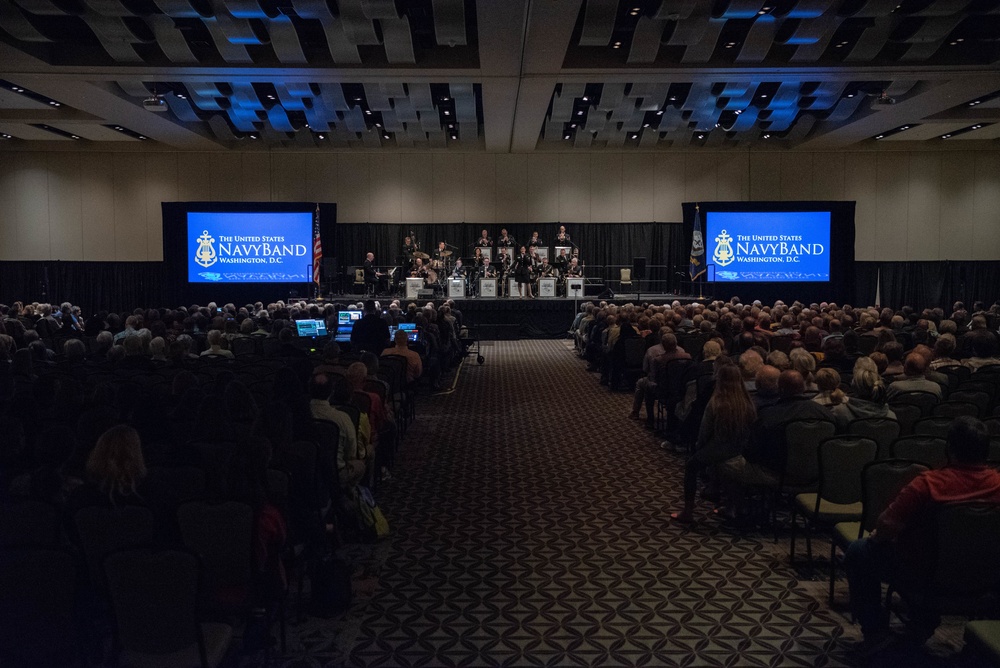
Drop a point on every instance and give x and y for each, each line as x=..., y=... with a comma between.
x=529, y=528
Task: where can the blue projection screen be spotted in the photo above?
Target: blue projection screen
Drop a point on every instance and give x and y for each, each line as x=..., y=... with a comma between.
x=231, y=247
x=771, y=246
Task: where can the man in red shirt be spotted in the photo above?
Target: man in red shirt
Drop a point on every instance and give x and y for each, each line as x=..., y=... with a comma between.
x=869, y=561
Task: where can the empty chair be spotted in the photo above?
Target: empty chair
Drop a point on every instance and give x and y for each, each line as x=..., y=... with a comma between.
x=932, y=426
x=37, y=607
x=881, y=481
x=154, y=598
x=881, y=430
x=838, y=495
x=930, y=451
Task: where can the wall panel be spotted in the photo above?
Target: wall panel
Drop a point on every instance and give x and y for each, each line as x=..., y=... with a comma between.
x=574, y=188
x=638, y=177
x=449, y=188
x=417, y=186
x=796, y=176
x=161, y=186
x=480, y=188
x=511, y=188
x=986, y=212
x=892, y=182
x=668, y=189
x=955, y=216
x=924, y=207
x=98, y=186
x=921, y=205
x=353, y=204
x=543, y=188
x=859, y=185
x=606, y=183
x=9, y=248
x=385, y=201
x=32, y=202
x=65, y=206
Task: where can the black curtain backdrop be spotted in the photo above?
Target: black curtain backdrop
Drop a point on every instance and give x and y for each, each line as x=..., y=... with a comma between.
x=604, y=247
x=123, y=286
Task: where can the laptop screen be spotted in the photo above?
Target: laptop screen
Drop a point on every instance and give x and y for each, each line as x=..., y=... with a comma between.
x=311, y=328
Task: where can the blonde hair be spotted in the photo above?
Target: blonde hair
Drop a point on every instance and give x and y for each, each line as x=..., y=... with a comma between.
x=116, y=463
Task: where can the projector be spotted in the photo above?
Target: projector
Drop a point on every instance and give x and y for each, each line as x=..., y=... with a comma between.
x=154, y=103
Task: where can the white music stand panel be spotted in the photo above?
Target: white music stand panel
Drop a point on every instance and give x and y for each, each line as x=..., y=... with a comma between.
x=487, y=287
x=487, y=252
x=413, y=286
x=512, y=286
x=456, y=288
x=546, y=287
x=542, y=253
x=574, y=288
x=559, y=249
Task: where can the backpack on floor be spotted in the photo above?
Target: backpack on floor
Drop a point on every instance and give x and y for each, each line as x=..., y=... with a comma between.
x=373, y=522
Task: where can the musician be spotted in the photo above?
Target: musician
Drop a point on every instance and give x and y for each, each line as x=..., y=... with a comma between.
x=544, y=269
x=535, y=240
x=459, y=270
x=478, y=257
x=503, y=268
x=574, y=270
x=487, y=270
x=562, y=238
x=561, y=262
x=535, y=259
x=372, y=276
x=409, y=247
x=505, y=240
x=439, y=256
x=419, y=270
x=484, y=240
x=522, y=272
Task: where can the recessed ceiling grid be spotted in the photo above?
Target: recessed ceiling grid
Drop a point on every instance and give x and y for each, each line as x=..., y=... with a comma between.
x=440, y=33
x=661, y=33
x=704, y=113
x=363, y=115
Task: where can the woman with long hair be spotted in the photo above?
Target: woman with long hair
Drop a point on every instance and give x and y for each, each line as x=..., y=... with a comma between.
x=116, y=466
x=724, y=432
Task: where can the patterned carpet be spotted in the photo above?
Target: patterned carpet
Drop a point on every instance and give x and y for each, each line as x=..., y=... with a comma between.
x=529, y=528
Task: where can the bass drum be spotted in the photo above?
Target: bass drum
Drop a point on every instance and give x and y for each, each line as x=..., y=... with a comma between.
x=432, y=277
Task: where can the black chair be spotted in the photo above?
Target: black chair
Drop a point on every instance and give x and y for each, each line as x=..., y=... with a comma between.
x=980, y=398
x=38, y=599
x=933, y=426
x=881, y=430
x=928, y=450
x=906, y=415
x=953, y=409
x=104, y=530
x=222, y=536
x=923, y=400
x=154, y=598
x=952, y=562
x=28, y=523
x=881, y=481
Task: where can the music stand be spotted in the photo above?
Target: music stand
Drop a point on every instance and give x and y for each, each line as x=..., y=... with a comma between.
x=574, y=288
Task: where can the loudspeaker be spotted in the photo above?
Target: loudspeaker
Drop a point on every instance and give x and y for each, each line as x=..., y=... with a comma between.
x=425, y=294
x=592, y=289
x=638, y=268
x=607, y=294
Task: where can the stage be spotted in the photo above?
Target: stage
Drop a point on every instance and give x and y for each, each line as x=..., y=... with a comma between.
x=506, y=318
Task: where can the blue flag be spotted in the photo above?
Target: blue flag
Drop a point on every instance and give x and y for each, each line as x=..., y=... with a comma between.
x=697, y=266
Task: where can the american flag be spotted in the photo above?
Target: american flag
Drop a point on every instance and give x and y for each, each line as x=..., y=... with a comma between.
x=317, y=247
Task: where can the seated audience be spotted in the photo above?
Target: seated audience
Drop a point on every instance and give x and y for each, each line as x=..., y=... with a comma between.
x=913, y=379
x=869, y=398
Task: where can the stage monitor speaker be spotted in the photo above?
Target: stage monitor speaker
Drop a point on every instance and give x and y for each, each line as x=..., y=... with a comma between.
x=593, y=289
x=638, y=268
x=607, y=294
x=425, y=294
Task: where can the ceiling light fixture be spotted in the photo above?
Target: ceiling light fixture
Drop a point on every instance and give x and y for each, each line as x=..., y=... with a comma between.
x=565, y=136
x=738, y=112
x=945, y=136
x=701, y=136
x=879, y=136
x=635, y=136
x=585, y=98
x=659, y=113
x=767, y=136
x=368, y=112
x=322, y=136
x=182, y=96
x=616, y=45
x=385, y=136
x=447, y=113
x=645, y=125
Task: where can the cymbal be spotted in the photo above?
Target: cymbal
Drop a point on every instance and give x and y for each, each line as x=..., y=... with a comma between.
x=445, y=253
x=422, y=255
